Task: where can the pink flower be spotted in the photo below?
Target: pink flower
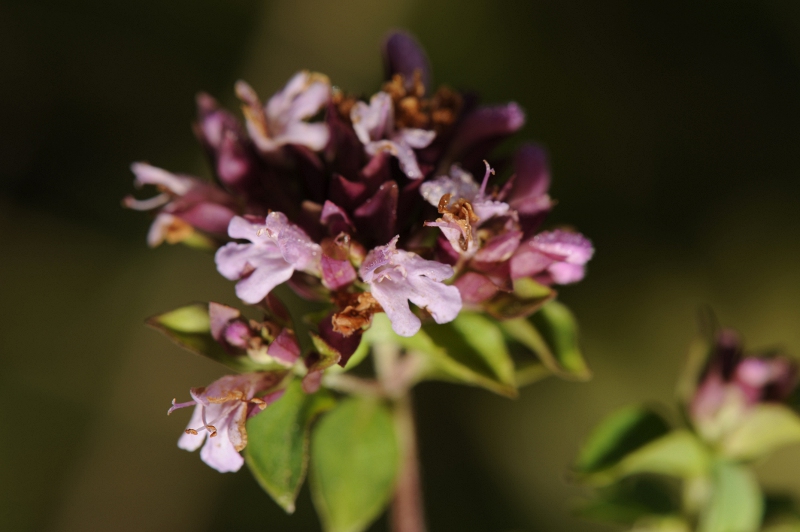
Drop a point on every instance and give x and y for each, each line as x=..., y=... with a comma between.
x=219, y=418
x=458, y=225
x=552, y=257
x=277, y=248
x=374, y=125
x=185, y=203
x=396, y=277
x=282, y=120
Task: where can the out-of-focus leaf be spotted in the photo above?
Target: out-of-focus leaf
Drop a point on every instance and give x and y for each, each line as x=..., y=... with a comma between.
x=763, y=429
x=527, y=297
x=328, y=356
x=736, y=503
x=468, y=350
x=789, y=525
x=679, y=454
x=781, y=514
x=277, y=448
x=354, y=463
x=619, y=435
x=632, y=498
x=661, y=524
x=190, y=328
x=552, y=335
x=530, y=373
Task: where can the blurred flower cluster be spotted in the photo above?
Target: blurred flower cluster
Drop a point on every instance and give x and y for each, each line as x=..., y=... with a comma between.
x=387, y=215
x=738, y=408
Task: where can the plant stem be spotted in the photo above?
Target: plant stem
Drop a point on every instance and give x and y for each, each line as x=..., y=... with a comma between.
x=408, y=513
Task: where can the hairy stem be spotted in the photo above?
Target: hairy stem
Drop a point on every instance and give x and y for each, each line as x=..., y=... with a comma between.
x=407, y=513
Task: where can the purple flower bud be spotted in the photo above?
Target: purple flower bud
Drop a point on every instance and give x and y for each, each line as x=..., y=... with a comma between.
x=481, y=130
x=403, y=55
x=552, y=257
x=376, y=218
x=526, y=191
x=475, y=288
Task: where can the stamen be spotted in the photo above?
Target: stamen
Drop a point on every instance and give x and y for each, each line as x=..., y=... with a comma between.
x=191, y=431
x=180, y=405
x=146, y=205
x=489, y=170
x=210, y=428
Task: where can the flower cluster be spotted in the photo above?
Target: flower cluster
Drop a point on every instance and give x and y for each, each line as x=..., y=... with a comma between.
x=739, y=408
x=733, y=383
x=367, y=204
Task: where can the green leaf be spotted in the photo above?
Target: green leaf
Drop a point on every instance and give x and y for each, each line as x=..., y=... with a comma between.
x=328, y=356
x=277, y=448
x=736, y=503
x=189, y=327
x=662, y=524
x=763, y=429
x=632, y=498
x=527, y=297
x=354, y=463
x=468, y=350
x=617, y=436
x=678, y=454
x=552, y=335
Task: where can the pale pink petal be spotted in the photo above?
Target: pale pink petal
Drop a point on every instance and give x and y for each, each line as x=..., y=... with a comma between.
x=244, y=229
x=563, y=273
x=220, y=315
x=416, y=138
x=564, y=245
x=158, y=229
x=454, y=233
x=396, y=277
x=407, y=159
x=475, y=287
x=219, y=453
x=150, y=175
x=373, y=121
x=268, y=274
x=337, y=273
x=315, y=136
x=285, y=347
x=459, y=185
x=192, y=442
x=235, y=425
x=309, y=101
x=394, y=300
x=485, y=209
x=499, y=248
x=294, y=244
x=527, y=261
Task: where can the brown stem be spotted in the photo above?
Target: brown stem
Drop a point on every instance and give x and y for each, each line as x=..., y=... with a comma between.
x=408, y=513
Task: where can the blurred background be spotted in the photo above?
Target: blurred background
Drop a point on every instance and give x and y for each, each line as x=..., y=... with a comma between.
x=674, y=136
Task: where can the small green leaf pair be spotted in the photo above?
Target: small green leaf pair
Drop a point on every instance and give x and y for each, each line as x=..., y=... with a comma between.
x=354, y=455
x=480, y=351
x=636, y=444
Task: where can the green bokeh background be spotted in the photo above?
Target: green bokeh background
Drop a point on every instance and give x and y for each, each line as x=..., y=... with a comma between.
x=674, y=135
